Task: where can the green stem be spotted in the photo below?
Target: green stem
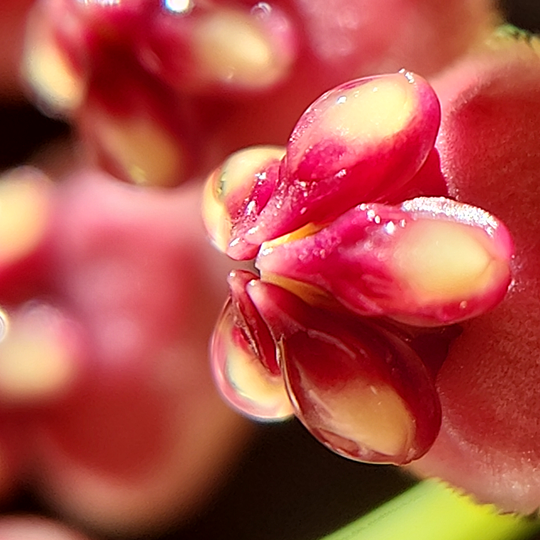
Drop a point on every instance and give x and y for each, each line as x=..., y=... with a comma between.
x=431, y=511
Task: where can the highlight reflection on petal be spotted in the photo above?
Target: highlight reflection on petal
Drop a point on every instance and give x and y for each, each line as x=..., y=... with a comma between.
x=243, y=358
x=359, y=389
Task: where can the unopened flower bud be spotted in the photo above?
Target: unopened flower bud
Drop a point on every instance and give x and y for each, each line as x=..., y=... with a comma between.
x=26, y=230
x=244, y=357
x=358, y=388
x=41, y=355
x=358, y=142
x=431, y=261
x=193, y=47
x=130, y=130
x=53, y=57
x=235, y=194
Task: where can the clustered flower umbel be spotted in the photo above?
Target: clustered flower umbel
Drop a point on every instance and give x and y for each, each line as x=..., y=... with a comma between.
x=162, y=90
x=364, y=268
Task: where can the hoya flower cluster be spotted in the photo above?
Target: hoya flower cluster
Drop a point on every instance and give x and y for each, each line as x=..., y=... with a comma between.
x=162, y=90
x=364, y=266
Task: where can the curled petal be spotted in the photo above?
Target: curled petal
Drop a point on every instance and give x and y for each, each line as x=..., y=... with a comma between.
x=243, y=357
x=235, y=193
x=358, y=388
x=358, y=142
x=431, y=261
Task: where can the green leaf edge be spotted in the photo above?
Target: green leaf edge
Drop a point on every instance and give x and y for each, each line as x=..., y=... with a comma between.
x=432, y=510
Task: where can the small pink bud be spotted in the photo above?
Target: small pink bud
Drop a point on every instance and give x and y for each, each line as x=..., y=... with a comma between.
x=358, y=388
x=431, y=261
x=244, y=357
x=235, y=193
x=358, y=142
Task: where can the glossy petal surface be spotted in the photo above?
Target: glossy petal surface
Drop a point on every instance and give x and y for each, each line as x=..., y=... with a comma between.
x=243, y=357
x=359, y=389
x=356, y=143
x=235, y=194
x=431, y=261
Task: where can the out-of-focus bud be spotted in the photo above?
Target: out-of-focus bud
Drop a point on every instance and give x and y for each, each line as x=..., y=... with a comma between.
x=25, y=207
x=41, y=355
x=107, y=404
x=244, y=357
x=26, y=211
x=192, y=47
x=53, y=62
x=432, y=261
x=358, y=388
x=129, y=129
x=231, y=62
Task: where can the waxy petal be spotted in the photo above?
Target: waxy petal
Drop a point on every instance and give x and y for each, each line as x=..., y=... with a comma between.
x=431, y=261
x=358, y=388
x=236, y=192
x=356, y=143
x=243, y=357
